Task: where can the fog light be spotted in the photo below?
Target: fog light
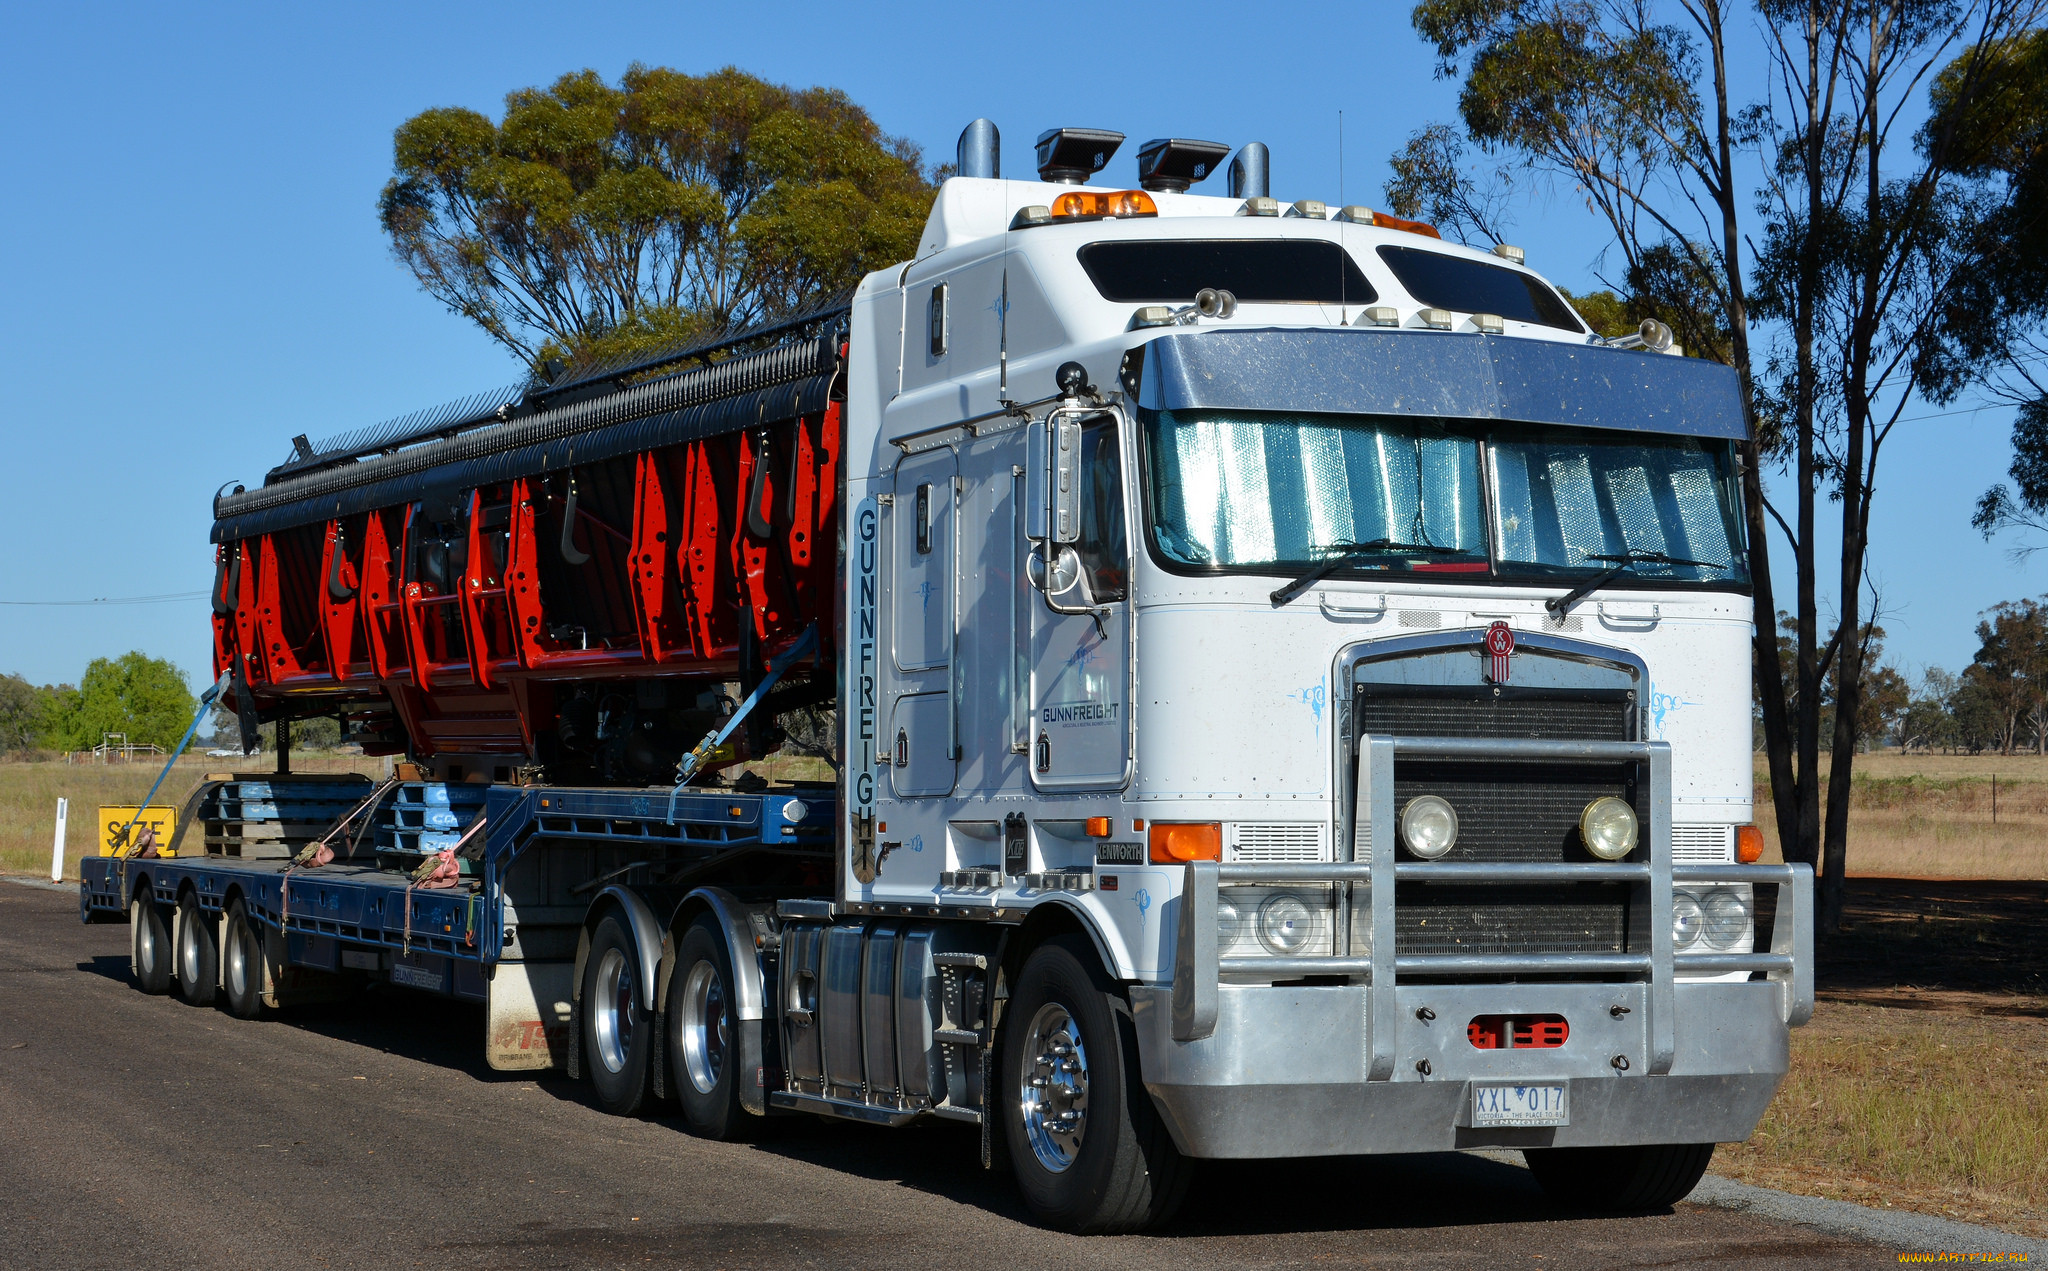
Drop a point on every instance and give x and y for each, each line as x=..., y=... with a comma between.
x=1286, y=925
x=1686, y=920
x=1726, y=918
x=1608, y=828
x=1429, y=826
x=795, y=811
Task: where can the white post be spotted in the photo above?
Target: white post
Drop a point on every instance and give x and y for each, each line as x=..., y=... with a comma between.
x=57, y=848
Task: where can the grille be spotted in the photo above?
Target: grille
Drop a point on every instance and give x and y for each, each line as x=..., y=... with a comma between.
x=1506, y=713
x=1516, y=812
x=1708, y=844
x=1299, y=841
x=1566, y=918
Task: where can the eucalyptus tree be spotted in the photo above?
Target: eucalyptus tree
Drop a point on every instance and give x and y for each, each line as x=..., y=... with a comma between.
x=593, y=218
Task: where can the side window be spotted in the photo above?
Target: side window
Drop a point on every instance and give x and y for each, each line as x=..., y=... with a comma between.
x=1101, y=546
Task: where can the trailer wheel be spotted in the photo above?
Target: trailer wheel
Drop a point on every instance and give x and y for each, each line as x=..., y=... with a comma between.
x=152, y=951
x=1620, y=1179
x=701, y=1033
x=1087, y=1147
x=242, y=965
x=198, y=955
x=618, y=1033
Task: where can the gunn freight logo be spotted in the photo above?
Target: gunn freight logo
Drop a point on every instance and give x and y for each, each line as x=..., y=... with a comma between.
x=1078, y=714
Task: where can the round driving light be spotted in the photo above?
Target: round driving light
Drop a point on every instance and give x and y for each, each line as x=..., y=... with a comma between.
x=1726, y=919
x=794, y=811
x=1429, y=826
x=1686, y=920
x=1229, y=923
x=1608, y=828
x=1286, y=925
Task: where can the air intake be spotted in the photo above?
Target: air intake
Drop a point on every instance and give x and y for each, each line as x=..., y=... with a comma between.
x=1251, y=172
x=980, y=153
x=1069, y=156
x=1172, y=164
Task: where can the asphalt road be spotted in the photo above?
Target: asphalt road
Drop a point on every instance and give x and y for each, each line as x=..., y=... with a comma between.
x=140, y=1132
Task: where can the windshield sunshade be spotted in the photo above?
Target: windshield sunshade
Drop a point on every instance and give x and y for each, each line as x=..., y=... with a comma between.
x=1256, y=271
x=1443, y=281
x=1239, y=490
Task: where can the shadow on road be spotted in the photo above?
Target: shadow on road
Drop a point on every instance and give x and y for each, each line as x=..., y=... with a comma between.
x=109, y=966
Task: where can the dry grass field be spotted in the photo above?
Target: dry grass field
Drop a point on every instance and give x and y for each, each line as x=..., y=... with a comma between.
x=1920, y=816
x=29, y=794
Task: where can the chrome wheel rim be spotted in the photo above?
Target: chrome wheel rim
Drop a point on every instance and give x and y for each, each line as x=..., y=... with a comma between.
x=145, y=939
x=238, y=960
x=611, y=1009
x=188, y=946
x=1054, y=1092
x=706, y=1028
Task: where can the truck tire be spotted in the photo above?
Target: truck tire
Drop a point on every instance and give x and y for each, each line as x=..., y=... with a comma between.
x=198, y=954
x=618, y=1033
x=1085, y=1142
x=1620, y=1179
x=152, y=944
x=703, y=1043
x=242, y=965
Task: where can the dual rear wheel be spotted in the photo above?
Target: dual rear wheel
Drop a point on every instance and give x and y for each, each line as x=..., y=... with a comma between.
x=618, y=1031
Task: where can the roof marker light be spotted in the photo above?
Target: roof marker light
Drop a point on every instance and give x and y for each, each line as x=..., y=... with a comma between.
x=1437, y=318
x=1310, y=209
x=1379, y=316
x=1091, y=205
x=1260, y=205
x=1353, y=214
x=1152, y=316
x=1031, y=214
x=1489, y=323
x=1512, y=254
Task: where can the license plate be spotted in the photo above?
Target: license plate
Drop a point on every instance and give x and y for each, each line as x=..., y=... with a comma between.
x=1521, y=1105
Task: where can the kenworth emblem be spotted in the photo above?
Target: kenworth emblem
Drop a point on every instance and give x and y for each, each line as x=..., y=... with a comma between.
x=1500, y=648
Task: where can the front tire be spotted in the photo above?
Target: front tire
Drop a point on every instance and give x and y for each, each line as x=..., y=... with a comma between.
x=198, y=955
x=1620, y=1179
x=241, y=965
x=151, y=945
x=1086, y=1145
x=618, y=1032
x=703, y=1037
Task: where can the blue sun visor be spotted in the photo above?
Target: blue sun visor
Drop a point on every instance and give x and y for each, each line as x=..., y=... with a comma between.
x=1441, y=375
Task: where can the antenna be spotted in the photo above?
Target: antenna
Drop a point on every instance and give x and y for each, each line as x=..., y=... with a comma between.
x=1343, y=274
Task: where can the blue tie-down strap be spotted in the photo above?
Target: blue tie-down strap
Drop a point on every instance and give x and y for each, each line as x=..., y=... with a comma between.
x=693, y=763
x=206, y=701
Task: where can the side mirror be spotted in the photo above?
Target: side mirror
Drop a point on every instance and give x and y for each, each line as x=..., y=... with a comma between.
x=1036, y=470
x=1060, y=576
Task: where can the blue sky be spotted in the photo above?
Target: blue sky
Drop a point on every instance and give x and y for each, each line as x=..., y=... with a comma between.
x=197, y=274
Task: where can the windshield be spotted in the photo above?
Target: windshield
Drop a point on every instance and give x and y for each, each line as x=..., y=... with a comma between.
x=1266, y=492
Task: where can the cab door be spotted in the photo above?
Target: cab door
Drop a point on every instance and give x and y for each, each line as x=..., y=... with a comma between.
x=921, y=738
x=1080, y=650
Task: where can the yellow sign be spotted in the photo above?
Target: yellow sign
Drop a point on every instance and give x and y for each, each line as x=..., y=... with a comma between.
x=113, y=821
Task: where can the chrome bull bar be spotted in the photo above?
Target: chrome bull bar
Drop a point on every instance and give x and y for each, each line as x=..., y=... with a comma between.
x=1199, y=971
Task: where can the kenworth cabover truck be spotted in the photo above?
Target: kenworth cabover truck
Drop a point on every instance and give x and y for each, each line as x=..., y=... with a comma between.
x=1289, y=695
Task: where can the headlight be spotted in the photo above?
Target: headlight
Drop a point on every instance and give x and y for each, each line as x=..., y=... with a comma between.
x=1726, y=919
x=1286, y=925
x=1608, y=828
x=1686, y=919
x=795, y=811
x=1429, y=826
x=1229, y=924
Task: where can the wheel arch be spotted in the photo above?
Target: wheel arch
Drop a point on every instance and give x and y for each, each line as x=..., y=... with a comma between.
x=642, y=926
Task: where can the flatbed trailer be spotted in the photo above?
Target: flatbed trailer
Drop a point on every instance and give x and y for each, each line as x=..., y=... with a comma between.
x=267, y=933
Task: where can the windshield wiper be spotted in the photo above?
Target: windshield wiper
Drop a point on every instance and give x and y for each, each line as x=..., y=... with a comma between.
x=1342, y=554
x=1561, y=605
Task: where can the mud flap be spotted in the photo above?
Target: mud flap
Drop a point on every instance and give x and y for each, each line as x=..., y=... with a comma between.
x=527, y=1016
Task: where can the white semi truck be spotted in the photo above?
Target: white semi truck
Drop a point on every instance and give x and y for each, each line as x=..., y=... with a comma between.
x=1293, y=682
